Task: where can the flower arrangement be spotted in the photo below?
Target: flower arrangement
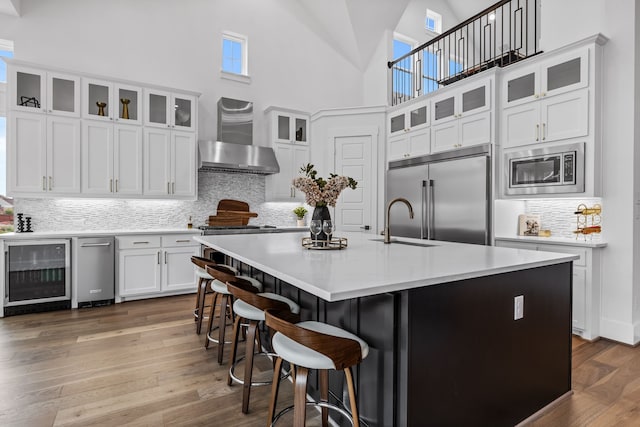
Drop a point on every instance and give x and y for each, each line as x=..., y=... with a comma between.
x=320, y=192
x=300, y=212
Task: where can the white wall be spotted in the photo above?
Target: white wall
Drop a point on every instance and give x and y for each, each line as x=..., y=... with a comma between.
x=178, y=44
x=620, y=310
x=411, y=23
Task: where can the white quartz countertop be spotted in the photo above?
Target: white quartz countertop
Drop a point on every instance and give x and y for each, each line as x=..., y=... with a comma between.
x=95, y=233
x=580, y=241
x=368, y=267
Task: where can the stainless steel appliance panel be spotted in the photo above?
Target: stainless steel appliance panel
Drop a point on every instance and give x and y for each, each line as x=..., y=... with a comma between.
x=408, y=183
x=458, y=200
x=95, y=269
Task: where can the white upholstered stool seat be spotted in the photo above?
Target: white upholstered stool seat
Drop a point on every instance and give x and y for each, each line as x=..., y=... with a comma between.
x=249, y=312
x=221, y=288
x=300, y=355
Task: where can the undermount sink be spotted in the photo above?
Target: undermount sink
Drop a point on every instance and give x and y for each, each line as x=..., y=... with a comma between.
x=402, y=242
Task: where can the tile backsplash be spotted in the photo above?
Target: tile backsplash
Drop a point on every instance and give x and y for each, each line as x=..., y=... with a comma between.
x=77, y=214
x=558, y=215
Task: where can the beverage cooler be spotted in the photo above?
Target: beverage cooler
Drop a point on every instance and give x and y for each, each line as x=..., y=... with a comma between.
x=37, y=275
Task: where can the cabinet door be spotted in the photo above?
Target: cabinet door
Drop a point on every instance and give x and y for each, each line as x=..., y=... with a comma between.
x=474, y=129
x=419, y=142
x=565, y=73
x=157, y=164
x=564, y=116
x=418, y=117
x=177, y=269
x=183, y=164
x=444, y=136
x=156, y=108
x=300, y=129
x=27, y=89
x=397, y=123
x=63, y=94
x=127, y=160
x=63, y=155
x=520, y=125
x=139, y=271
x=27, y=153
x=282, y=189
x=129, y=102
x=300, y=158
x=521, y=85
x=474, y=99
x=97, y=157
x=281, y=127
x=444, y=108
x=184, y=111
x=98, y=100
x=398, y=147
x=579, y=312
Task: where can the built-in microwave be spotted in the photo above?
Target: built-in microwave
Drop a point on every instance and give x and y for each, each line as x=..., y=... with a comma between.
x=547, y=170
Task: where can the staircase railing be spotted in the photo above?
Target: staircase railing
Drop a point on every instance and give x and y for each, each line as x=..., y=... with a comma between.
x=500, y=35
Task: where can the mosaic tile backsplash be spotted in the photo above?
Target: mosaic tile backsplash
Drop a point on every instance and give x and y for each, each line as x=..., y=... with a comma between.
x=125, y=214
x=558, y=216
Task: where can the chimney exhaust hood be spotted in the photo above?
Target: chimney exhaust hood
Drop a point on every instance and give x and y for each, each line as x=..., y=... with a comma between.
x=234, y=150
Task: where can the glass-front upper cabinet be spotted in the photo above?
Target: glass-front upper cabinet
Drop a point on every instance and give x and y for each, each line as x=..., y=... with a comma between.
x=98, y=99
x=34, y=90
x=408, y=118
x=288, y=126
x=129, y=102
x=167, y=110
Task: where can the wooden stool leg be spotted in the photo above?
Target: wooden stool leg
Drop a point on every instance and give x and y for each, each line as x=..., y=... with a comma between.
x=324, y=394
x=211, y=315
x=202, y=297
x=234, y=347
x=352, y=397
x=222, y=326
x=197, y=308
x=300, y=397
x=248, y=364
x=275, y=385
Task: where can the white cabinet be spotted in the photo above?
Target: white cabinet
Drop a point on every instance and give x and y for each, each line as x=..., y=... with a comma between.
x=170, y=110
x=547, y=120
x=169, y=163
x=43, y=154
x=410, y=144
x=408, y=131
x=289, y=138
x=111, y=101
x=40, y=91
x=462, y=116
x=586, y=283
x=407, y=119
x=111, y=159
x=155, y=265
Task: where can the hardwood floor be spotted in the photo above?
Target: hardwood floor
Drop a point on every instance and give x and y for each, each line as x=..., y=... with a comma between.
x=141, y=363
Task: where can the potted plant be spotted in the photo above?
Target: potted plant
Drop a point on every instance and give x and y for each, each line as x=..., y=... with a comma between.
x=300, y=212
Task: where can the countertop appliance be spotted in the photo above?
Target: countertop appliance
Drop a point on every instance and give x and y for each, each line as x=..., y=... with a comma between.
x=94, y=271
x=450, y=193
x=37, y=276
x=547, y=170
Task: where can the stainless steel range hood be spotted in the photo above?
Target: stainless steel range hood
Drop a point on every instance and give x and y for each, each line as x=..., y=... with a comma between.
x=234, y=150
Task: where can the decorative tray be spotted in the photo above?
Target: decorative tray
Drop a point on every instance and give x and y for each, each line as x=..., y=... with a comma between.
x=334, y=243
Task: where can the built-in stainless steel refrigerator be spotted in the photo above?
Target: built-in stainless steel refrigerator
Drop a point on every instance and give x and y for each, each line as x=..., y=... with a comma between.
x=450, y=193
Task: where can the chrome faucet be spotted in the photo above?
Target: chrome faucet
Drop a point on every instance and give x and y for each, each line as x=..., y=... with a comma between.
x=387, y=226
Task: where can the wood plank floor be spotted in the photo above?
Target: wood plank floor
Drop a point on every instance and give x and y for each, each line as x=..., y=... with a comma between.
x=140, y=363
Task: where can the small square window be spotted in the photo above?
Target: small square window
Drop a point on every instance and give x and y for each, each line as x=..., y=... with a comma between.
x=433, y=22
x=234, y=53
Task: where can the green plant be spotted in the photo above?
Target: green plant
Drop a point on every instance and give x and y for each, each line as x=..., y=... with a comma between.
x=300, y=212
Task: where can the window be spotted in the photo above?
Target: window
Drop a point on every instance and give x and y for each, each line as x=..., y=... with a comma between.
x=234, y=53
x=433, y=22
x=6, y=204
x=403, y=70
x=431, y=72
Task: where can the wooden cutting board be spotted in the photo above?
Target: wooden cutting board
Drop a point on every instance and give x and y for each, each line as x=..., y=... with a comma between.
x=232, y=212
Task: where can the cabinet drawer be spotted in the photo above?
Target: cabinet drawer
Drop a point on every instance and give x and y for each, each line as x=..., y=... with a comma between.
x=582, y=261
x=174, y=240
x=138, y=242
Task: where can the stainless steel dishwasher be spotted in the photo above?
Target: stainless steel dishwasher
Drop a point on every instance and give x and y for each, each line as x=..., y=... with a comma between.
x=95, y=267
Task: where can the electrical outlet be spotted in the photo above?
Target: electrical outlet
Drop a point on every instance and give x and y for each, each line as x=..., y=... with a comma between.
x=518, y=307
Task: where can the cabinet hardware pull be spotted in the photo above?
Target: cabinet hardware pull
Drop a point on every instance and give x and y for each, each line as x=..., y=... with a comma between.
x=168, y=188
x=140, y=243
x=91, y=245
x=537, y=132
x=165, y=257
x=173, y=187
x=183, y=241
x=44, y=183
x=544, y=131
x=50, y=183
x=116, y=185
x=111, y=185
x=158, y=257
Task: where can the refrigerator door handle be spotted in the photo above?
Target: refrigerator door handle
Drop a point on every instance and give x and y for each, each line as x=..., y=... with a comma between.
x=430, y=212
x=423, y=210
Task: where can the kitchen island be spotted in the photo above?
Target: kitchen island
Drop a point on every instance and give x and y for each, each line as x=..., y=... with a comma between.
x=439, y=317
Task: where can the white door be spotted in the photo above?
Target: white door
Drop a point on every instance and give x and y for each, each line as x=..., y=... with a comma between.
x=27, y=153
x=127, y=159
x=444, y=136
x=183, y=164
x=419, y=142
x=565, y=116
x=157, y=168
x=139, y=271
x=97, y=154
x=354, y=157
x=63, y=155
x=521, y=125
x=300, y=159
x=474, y=129
x=177, y=270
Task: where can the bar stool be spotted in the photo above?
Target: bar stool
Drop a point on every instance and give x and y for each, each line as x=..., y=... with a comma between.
x=250, y=307
x=220, y=276
x=313, y=345
x=204, y=287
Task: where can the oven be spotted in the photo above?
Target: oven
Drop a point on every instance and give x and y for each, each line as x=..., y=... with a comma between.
x=548, y=170
x=37, y=275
